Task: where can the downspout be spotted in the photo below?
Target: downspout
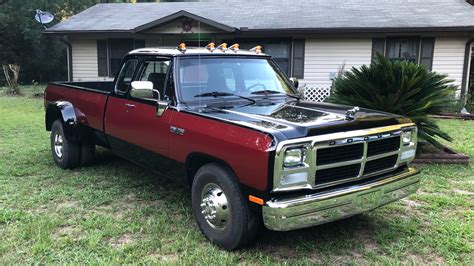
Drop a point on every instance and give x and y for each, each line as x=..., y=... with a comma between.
x=465, y=74
x=69, y=57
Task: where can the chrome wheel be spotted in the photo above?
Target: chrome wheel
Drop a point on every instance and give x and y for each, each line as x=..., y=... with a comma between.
x=214, y=206
x=58, y=145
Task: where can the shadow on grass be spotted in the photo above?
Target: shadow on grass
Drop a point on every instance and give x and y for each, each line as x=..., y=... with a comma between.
x=347, y=236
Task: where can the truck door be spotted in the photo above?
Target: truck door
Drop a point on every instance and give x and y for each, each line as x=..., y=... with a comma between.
x=134, y=130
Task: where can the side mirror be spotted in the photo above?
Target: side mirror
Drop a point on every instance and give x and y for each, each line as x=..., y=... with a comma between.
x=295, y=82
x=143, y=90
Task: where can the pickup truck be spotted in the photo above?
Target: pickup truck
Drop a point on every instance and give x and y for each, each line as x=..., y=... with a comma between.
x=229, y=123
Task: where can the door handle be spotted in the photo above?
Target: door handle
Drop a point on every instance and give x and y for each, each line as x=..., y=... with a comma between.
x=130, y=105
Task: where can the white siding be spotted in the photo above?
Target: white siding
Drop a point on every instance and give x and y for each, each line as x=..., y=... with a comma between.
x=84, y=60
x=448, y=58
x=325, y=57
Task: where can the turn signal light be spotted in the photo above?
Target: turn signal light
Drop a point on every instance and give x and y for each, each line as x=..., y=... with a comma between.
x=257, y=49
x=254, y=199
x=211, y=47
x=222, y=47
x=182, y=47
x=234, y=47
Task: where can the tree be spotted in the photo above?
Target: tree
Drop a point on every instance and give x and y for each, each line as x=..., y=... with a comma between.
x=399, y=87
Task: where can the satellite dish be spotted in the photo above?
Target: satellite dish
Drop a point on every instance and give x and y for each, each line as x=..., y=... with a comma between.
x=43, y=17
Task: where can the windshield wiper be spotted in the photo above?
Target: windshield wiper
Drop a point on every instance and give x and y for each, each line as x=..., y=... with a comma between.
x=216, y=94
x=267, y=92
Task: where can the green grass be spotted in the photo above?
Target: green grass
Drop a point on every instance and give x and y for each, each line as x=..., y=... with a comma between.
x=116, y=212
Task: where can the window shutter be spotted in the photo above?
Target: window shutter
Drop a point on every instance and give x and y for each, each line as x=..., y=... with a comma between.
x=102, y=61
x=139, y=44
x=427, y=49
x=378, y=46
x=298, y=58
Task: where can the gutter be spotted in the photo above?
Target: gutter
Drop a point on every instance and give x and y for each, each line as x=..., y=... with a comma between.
x=465, y=73
x=69, y=57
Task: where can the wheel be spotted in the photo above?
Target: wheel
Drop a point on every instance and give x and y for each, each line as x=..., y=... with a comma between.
x=65, y=152
x=220, y=210
x=87, y=152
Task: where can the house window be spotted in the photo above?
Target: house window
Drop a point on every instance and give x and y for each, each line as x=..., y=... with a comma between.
x=413, y=49
x=278, y=49
x=111, y=52
x=403, y=49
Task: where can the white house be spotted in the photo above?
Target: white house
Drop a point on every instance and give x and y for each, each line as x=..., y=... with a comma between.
x=311, y=40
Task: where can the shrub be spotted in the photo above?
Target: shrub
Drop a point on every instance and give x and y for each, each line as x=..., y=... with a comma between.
x=398, y=87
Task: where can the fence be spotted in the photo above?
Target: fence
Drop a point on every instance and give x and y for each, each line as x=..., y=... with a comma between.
x=315, y=94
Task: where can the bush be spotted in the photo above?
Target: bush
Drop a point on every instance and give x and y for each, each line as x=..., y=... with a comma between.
x=398, y=87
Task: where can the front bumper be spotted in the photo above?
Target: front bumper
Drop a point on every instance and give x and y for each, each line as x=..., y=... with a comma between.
x=304, y=211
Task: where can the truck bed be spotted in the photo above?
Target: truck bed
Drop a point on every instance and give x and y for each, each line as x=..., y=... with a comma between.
x=88, y=98
x=97, y=86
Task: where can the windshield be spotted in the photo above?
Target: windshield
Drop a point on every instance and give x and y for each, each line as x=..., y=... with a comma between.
x=213, y=77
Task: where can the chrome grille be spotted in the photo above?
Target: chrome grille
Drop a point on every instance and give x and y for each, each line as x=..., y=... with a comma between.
x=383, y=146
x=343, y=157
x=339, y=154
x=355, y=158
x=337, y=173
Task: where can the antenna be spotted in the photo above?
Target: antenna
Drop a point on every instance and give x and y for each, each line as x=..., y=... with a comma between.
x=44, y=17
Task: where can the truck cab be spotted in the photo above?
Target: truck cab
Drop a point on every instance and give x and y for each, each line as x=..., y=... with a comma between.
x=230, y=124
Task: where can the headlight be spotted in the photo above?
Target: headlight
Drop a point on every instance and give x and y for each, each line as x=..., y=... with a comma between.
x=407, y=137
x=294, y=157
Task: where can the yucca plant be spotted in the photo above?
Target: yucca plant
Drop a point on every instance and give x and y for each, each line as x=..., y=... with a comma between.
x=398, y=87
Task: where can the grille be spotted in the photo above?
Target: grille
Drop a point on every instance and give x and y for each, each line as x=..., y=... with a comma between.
x=380, y=164
x=339, y=154
x=383, y=146
x=337, y=173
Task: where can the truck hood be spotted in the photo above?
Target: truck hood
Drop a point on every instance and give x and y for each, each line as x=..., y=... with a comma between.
x=297, y=119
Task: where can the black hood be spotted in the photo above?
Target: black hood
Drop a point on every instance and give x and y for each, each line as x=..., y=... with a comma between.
x=297, y=119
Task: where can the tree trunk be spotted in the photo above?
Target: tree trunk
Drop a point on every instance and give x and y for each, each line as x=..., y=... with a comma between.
x=12, y=74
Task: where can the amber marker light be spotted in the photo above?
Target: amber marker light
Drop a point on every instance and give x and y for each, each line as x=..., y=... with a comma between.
x=222, y=47
x=211, y=47
x=182, y=47
x=234, y=47
x=254, y=199
x=257, y=49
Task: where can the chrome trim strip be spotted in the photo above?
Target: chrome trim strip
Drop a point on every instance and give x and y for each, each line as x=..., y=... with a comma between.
x=303, y=211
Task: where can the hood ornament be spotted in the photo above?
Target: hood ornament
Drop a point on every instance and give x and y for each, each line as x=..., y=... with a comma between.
x=350, y=114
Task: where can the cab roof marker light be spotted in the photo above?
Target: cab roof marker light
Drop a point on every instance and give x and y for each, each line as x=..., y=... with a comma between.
x=257, y=49
x=211, y=47
x=234, y=47
x=222, y=47
x=182, y=47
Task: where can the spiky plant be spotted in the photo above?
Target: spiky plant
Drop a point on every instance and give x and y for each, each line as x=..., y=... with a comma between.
x=398, y=87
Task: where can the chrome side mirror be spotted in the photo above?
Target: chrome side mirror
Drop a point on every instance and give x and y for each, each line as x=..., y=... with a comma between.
x=295, y=82
x=142, y=90
x=161, y=107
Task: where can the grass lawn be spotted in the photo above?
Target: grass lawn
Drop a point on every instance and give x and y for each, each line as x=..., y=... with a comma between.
x=116, y=212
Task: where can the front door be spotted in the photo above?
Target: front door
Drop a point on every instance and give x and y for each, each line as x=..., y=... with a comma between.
x=134, y=130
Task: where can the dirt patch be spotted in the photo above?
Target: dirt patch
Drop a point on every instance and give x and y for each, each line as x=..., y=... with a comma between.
x=69, y=204
x=462, y=192
x=68, y=231
x=122, y=241
x=411, y=203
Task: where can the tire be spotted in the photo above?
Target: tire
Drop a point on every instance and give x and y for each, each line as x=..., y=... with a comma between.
x=87, y=152
x=65, y=152
x=233, y=225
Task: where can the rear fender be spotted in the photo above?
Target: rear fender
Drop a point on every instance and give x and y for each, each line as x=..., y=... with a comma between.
x=65, y=111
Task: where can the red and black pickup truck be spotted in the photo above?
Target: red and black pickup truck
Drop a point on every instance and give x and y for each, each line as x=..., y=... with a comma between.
x=230, y=124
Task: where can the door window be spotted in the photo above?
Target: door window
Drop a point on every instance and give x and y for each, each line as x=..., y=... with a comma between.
x=156, y=72
x=125, y=77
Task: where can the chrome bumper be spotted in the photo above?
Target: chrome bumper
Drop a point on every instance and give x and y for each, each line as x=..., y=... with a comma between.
x=304, y=211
